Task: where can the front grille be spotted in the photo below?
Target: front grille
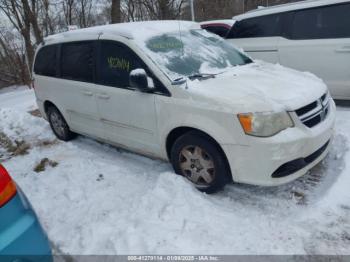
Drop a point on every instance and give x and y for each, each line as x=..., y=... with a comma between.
x=315, y=112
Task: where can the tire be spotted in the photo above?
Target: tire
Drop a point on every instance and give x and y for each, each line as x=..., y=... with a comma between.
x=59, y=125
x=199, y=159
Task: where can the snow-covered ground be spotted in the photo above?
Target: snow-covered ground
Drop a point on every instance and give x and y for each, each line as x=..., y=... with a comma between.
x=102, y=200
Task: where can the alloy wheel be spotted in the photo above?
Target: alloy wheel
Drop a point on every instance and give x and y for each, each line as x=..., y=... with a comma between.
x=58, y=123
x=197, y=165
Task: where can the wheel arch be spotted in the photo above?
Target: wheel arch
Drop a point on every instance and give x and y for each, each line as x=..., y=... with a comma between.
x=177, y=132
x=48, y=104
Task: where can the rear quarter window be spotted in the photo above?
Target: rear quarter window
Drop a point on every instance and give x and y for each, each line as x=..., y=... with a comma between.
x=219, y=30
x=45, y=61
x=261, y=26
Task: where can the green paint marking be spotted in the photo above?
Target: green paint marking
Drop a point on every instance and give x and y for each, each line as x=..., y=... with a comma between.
x=164, y=44
x=119, y=63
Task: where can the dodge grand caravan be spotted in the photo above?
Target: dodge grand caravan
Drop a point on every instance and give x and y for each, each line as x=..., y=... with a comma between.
x=311, y=36
x=173, y=91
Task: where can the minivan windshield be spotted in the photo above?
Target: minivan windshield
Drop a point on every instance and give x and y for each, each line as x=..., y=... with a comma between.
x=193, y=53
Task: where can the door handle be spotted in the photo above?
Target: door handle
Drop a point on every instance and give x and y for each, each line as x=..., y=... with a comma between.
x=103, y=96
x=344, y=49
x=87, y=93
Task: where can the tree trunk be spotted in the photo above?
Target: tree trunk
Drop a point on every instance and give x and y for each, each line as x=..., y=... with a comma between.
x=164, y=12
x=115, y=12
x=31, y=15
x=29, y=48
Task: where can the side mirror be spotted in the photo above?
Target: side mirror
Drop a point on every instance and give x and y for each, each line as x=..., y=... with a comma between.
x=139, y=80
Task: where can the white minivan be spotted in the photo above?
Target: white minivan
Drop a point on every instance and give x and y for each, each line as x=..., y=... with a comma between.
x=173, y=91
x=311, y=36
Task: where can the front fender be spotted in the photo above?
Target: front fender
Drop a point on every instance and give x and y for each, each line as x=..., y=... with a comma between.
x=221, y=126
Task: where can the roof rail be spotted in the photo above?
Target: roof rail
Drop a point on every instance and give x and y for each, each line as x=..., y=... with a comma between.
x=282, y=5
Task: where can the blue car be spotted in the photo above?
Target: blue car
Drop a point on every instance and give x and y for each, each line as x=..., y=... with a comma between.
x=21, y=235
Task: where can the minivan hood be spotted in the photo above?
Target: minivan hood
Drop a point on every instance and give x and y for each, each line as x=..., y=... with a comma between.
x=261, y=86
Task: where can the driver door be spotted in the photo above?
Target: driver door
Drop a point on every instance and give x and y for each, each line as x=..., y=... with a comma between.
x=128, y=116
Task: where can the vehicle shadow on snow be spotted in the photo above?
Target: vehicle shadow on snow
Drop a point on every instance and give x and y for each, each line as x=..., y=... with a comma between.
x=114, y=155
x=305, y=190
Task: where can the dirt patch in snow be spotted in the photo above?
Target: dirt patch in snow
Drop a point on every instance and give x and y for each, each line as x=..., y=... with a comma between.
x=46, y=143
x=11, y=148
x=35, y=112
x=43, y=164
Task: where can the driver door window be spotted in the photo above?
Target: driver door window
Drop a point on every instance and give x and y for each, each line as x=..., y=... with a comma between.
x=115, y=64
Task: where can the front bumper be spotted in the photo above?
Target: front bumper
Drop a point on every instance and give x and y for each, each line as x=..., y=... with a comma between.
x=256, y=162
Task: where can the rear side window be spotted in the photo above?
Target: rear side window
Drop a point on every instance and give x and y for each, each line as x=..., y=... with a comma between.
x=45, y=61
x=77, y=61
x=323, y=22
x=218, y=30
x=262, y=26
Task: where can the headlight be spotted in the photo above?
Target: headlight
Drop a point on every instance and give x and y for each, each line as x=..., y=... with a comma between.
x=265, y=124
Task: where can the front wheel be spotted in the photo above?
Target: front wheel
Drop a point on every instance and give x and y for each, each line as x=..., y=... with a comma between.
x=59, y=125
x=201, y=161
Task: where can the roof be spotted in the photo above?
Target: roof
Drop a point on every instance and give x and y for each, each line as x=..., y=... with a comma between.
x=229, y=22
x=287, y=7
x=132, y=30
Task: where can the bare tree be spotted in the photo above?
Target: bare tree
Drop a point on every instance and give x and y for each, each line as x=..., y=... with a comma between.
x=225, y=9
x=133, y=10
x=47, y=18
x=21, y=15
x=68, y=9
x=140, y=10
x=30, y=10
x=115, y=12
x=13, y=66
x=163, y=9
x=84, y=13
x=33, y=19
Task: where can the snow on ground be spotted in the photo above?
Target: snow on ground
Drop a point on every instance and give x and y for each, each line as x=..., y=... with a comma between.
x=102, y=200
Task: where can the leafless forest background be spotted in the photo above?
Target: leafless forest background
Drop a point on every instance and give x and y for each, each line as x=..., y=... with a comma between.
x=24, y=23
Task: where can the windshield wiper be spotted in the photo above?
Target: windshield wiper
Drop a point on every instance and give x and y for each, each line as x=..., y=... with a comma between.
x=178, y=81
x=204, y=76
x=201, y=76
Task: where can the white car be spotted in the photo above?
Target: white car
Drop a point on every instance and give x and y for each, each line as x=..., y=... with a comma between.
x=311, y=36
x=218, y=27
x=188, y=97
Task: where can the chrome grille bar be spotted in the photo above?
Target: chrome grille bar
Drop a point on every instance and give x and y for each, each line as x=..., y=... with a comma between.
x=314, y=113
